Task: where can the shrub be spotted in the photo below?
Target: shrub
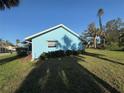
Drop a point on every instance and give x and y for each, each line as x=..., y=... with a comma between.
x=43, y=56
x=113, y=46
x=59, y=53
x=21, y=51
x=75, y=53
x=81, y=51
x=69, y=52
x=78, y=52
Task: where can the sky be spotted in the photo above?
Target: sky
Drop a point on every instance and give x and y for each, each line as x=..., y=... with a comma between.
x=32, y=16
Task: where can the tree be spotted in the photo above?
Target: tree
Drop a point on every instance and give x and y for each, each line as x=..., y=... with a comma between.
x=113, y=30
x=94, y=32
x=102, y=35
x=85, y=36
x=121, y=38
x=100, y=14
x=8, y=4
x=17, y=42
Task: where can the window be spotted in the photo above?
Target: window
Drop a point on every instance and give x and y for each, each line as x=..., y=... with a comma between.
x=52, y=43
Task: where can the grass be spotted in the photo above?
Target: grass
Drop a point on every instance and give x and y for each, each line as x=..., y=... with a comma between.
x=12, y=72
x=97, y=71
x=3, y=56
x=107, y=65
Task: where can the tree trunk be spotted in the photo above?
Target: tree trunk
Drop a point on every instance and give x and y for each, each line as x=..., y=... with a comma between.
x=100, y=23
x=104, y=42
x=95, y=42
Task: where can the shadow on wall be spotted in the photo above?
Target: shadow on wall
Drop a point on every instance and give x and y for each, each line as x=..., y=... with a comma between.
x=69, y=45
x=67, y=42
x=63, y=75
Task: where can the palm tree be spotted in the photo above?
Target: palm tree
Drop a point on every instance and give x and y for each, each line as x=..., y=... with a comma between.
x=8, y=3
x=94, y=32
x=100, y=14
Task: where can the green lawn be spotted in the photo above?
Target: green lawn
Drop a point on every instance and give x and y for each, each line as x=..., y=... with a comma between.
x=107, y=65
x=12, y=72
x=97, y=71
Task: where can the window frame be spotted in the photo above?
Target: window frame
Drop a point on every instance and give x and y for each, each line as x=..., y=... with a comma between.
x=52, y=46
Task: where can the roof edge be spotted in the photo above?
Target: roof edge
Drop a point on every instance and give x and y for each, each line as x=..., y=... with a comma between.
x=47, y=30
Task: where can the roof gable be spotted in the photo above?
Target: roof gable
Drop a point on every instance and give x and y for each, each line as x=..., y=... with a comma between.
x=52, y=29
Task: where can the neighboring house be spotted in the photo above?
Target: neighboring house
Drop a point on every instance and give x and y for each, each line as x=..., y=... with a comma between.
x=11, y=48
x=3, y=49
x=6, y=47
x=56, y=38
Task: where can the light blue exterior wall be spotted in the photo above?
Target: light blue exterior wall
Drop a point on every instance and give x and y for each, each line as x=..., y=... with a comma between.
x=66, y=41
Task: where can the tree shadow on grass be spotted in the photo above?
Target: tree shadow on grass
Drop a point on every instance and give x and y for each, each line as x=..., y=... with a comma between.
x=63, y=75
x=9, y=59
x=103, y=58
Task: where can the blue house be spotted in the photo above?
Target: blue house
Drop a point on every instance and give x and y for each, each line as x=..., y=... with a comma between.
x=56, y=38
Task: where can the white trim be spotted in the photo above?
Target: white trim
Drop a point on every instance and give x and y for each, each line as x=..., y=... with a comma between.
x=50, y=29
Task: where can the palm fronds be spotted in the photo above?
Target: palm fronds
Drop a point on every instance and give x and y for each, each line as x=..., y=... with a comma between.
x=8, y=4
